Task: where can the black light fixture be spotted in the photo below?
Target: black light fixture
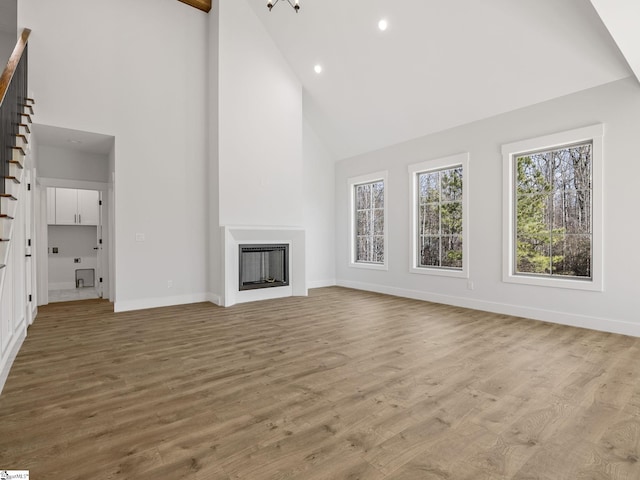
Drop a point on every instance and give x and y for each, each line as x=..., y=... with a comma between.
x=295, y=5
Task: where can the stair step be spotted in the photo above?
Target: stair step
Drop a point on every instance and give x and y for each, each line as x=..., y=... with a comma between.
x=16, y=163
x=4, y=239
x=2, y=266
x=30, y=100
x=30, y=107
x=12, y=178
x=19, y=149
x=23, y=138
x=4, y=215
x=27, y=116
x=25, y=126
x=7, y=195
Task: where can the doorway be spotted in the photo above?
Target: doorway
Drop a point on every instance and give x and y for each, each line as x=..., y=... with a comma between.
x=74, y=250
x=75, y=186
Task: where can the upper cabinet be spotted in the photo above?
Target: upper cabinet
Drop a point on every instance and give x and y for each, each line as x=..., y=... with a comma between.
x=73, y=207
x=88, y=207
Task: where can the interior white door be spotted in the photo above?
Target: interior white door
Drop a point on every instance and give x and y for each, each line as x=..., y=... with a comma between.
x=98, y=247
x=51, y=205
x=28, y=235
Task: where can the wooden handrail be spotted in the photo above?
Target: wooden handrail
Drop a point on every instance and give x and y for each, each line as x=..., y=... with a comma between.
x=204, y=5
x=7, y=75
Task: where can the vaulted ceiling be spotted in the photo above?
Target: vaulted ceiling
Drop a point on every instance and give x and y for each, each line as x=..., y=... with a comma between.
x=442, y=64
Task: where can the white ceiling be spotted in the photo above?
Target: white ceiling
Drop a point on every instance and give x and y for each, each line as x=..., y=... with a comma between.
x=68, y=139
x=440, y=63
x=622, y=18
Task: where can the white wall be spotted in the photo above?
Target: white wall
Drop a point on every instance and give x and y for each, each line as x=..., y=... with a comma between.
x=319, y=209
x=8, y=29
x=136, y=71
x=260, y=125
x=7, y=44
x=72, y=241
x=54, y=162
x=617, y=105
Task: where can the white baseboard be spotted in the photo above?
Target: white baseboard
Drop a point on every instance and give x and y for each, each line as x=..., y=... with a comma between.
x=214, y=298
x=321, y=283
x=12, y=352
x=144, y=303
x=562, y=318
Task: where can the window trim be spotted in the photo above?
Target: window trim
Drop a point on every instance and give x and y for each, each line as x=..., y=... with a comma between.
x=431, y=165
x=352, y=183
x=510, y=151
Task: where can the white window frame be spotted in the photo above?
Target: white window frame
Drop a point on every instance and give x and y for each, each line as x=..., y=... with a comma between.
x=353, y=182
x=510, y=151
x=461, y=159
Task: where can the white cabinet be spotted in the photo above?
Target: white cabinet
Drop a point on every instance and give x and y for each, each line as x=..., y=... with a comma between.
x=66, y=206
x=88, y=210
x=75, y=207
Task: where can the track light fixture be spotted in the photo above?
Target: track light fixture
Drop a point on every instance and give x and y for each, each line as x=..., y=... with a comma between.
x=295, y=5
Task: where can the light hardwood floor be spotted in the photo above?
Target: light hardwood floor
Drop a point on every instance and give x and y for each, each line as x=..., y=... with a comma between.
x=340, y=385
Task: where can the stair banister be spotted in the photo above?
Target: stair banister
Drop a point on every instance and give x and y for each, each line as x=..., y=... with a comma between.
x=12, y=64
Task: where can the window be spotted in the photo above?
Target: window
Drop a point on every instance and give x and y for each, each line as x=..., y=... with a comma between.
x=439, y=216
x=554, y=234
x=368, y=213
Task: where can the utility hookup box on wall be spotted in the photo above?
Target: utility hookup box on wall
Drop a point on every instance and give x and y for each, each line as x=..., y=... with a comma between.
x=76, y=260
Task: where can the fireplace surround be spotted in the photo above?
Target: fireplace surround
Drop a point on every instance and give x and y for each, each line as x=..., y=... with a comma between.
x=235, y=236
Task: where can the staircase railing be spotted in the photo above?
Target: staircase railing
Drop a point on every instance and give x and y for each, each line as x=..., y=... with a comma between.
x=13, y=98
x=15, y=116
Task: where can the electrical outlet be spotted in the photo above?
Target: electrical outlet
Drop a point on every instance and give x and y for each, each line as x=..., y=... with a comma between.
x=54, y=249
x=169, y=283
x=470, y=285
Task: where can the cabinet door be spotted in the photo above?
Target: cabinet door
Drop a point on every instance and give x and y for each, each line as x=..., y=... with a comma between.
x=51, y=206
x=66, y=206
x=88, y=207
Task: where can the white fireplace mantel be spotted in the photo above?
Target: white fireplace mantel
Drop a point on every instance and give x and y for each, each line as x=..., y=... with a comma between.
x=233, y=236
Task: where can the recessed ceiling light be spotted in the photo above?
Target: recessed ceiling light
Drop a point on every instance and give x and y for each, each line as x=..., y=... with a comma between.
x=383, y=24
x=318, y=68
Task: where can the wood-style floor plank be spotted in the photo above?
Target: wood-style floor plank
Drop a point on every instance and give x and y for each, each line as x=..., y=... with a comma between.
x=340, y=385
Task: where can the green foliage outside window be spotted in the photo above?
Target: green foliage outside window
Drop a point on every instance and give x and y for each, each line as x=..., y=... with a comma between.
x=440, y=218
x=553, y=212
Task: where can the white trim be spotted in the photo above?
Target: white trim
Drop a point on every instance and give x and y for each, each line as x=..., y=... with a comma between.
x=592, y=133
x=321, y=283
x=7, y=363
x=552, y=316
x=461, y=159
x=351, y=183
x=214, y=298
x=67, y=183
x=144, y=303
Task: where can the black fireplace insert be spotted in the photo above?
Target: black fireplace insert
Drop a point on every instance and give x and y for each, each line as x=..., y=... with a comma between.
x=263, y=266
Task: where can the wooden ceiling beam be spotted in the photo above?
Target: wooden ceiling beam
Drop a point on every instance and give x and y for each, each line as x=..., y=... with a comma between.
x=204, y=5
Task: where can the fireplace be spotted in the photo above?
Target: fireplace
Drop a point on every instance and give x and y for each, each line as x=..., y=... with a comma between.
x=263, y=266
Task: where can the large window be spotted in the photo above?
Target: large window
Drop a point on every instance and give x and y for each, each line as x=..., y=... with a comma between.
x=368, y=220
x=439, y=216
x=554, y=203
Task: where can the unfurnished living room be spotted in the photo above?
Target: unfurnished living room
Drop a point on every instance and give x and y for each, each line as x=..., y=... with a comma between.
x=304, y=239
